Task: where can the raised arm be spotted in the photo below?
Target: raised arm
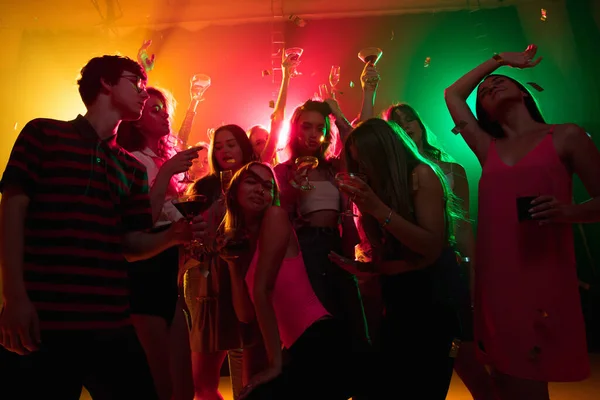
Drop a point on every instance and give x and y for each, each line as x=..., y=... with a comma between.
x=456, y=96
x=369, y=80
x=275, y=234
x=277, y=118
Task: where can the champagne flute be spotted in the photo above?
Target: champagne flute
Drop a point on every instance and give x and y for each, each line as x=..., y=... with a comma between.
x=225, y=180
x=303, y=166
x=334, y=76
x=346, y=178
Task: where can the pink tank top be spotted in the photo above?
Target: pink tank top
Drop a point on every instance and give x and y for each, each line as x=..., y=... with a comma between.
x=296, y=304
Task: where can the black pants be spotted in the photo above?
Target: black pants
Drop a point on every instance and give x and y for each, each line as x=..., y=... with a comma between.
x=336, y=289
x=110, y=366
x=325, y=363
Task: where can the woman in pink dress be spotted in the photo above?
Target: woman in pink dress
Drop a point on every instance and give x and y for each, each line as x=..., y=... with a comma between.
x=528, y=321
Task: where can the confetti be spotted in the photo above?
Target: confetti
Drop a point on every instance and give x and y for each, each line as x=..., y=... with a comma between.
x=544, y=15
x=271, y=104
x=543, y=313
x=298, y=21
x=427, y=61
x=536, y=86
x=351, y=84
x=266, y=72
x=458, y=128
x=16, y=126
x=313, y=74
x=392, y=38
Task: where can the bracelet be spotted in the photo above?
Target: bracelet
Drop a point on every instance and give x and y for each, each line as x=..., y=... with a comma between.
x=498, y=59
x=388, y=219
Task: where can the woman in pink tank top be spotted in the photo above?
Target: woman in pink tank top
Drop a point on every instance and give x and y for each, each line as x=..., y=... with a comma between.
x=323, y=361
x=528, y=321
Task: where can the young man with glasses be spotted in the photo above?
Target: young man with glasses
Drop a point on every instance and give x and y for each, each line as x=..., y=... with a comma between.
x=74, y=207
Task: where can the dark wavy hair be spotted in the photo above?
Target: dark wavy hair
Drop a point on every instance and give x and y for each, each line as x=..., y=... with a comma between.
x=433, y=152
x=234, y=219
x=492, y=127
x=388, y=156
x=326, y=151
x=131, y=138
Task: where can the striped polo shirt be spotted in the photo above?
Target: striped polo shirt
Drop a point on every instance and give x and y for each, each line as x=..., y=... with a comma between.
x=85, y=194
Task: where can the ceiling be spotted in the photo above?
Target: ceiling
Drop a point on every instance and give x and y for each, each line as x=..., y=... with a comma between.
x=74, y=14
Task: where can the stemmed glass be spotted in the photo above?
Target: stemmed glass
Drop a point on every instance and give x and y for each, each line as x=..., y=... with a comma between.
x=334, y=76
x=294, y=54
x=225, y=180
x=370, y=55
x=346, y=178
x=199, y=84
x=190, y=206
x=303, y=166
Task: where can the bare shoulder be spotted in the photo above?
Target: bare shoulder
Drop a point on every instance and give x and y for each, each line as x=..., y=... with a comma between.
x=569, y=131
x=425, y=176
x=568, y=138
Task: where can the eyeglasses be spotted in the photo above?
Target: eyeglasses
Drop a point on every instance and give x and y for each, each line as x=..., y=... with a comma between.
x=138, y=83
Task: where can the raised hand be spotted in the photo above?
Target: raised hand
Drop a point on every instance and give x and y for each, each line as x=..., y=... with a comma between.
x=369, y=78
x=524, y=59
x=146, y=61
x=182, y=161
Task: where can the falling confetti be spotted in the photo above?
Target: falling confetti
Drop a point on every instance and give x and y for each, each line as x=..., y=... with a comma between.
x=351, y=84
x=392, y=38
x=298, y=21
x=16, y=126
x=271, y=104
x=313, y=74
x=427, y=61
x=266, y=72
x=458, y=128
x=536, y=86
x=543, y=313
x=544, y=15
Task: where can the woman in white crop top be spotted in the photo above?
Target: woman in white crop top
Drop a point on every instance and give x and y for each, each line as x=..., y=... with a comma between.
x=323, y=362
x=316, y=213
x=155, y=309
x=473, y=374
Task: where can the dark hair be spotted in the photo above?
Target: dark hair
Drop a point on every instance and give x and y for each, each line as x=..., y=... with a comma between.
x=255, y=129
x=394, y=112
x=107, y=68
x=233, y=218
x=388, y=156
x=325, y=110
x=242, y=140
x=492, y=127
x=131, y=138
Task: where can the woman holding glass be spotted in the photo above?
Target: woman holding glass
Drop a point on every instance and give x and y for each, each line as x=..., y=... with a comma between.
x=406, y=223
x=156, y=313
x=529, y=324
x=310, y=195
x=215, y=330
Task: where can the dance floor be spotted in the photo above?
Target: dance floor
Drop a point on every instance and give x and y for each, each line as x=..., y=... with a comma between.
x=587, y=390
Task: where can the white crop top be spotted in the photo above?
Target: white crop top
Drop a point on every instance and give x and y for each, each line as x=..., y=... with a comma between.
x=325, y=196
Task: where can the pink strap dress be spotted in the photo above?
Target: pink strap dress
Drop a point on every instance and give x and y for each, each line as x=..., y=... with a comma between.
x=528, y=318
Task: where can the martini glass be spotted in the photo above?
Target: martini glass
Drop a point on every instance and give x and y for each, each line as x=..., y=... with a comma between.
x=190, y=206
x=303, y=166
x=199, y=83
x=346, y=178
x=370, y=55
x=294, y=54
